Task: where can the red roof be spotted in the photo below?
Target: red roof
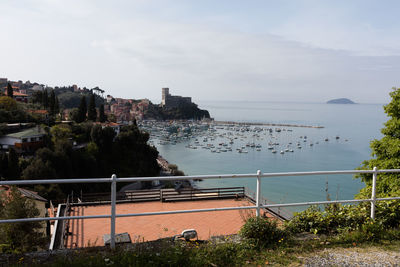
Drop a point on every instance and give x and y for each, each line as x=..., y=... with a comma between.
x=17, y=94
x=38, y=111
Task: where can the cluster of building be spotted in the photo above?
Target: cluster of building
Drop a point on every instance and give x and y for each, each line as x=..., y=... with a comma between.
x=126, y=110
x=22, y=91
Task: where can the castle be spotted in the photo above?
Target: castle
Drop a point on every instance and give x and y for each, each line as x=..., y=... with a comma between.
x=173, y=101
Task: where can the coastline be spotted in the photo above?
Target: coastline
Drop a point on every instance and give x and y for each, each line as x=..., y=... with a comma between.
x=163, y=163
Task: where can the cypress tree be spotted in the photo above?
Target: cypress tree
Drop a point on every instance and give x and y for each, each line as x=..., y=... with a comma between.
x=10, y=91
x=92, y=113
x=82, y=110
x=45, y=99
x=52, y=102
x=56, y=106
x=102, y=115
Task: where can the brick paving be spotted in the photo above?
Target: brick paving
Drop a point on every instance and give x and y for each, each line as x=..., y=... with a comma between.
x=90, y=232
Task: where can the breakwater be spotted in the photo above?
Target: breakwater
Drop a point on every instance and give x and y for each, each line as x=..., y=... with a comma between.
x=266, y=124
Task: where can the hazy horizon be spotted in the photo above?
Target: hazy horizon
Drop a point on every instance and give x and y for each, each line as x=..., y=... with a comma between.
x=304, y=51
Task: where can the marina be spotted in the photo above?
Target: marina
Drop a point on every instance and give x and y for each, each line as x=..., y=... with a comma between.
x=218, y=137
x=304, y=148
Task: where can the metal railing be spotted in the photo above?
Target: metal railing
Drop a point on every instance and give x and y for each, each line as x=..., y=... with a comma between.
x=257, y=207
x=166, y=194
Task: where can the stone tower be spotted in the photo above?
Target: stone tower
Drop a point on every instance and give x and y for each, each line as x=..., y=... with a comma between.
x=165, y=94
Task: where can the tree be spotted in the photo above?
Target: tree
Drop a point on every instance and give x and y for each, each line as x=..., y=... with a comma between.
x=52, y=102
x=45, y=99
x=10, y=92
x=92, y=113
x=56, y=106
x=103, y=137
x=82, y=110
x=8, y=103
x=60, y=132
x=37, y=97
x=385, y=153
x=20, y=237
x=4, y=165
x=102, y=115
x=13, y=172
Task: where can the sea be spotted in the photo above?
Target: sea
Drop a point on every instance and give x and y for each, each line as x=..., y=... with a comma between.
x=354, y=125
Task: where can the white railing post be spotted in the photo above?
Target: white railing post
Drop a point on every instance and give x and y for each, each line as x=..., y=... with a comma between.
x=113, y=201
x=258, y=194
x=373, y=194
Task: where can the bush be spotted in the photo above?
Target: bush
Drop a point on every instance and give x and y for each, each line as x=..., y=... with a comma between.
x=345, y=218
x=372, y=231
x=332, y=220
x=262, y=232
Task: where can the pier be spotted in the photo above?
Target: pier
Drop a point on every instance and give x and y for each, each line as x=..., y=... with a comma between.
x=266, y=124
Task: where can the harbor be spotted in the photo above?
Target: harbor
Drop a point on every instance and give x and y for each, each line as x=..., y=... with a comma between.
x=239, y=137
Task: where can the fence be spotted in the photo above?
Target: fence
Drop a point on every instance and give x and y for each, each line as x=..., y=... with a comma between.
x=165, y=195
x=258, y=206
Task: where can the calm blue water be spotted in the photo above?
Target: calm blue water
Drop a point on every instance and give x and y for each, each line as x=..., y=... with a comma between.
x=359, y=124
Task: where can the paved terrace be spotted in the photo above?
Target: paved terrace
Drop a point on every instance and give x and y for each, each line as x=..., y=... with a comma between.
x=90, y=232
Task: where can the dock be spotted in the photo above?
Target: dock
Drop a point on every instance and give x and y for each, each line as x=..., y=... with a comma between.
x=266, y=124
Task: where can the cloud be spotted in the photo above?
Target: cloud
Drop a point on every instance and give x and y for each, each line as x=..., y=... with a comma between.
x=133, y=53
x=212, y=63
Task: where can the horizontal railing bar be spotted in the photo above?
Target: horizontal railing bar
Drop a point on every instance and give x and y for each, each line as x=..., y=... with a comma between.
x=55, y=218
x=279, y=174
x=57, y=181
x=174, y=178
x=387, y=198
x=314, y=203
x=183, y=211
x=194, y=210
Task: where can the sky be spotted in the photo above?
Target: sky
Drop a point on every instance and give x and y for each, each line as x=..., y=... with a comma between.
x=225, y=50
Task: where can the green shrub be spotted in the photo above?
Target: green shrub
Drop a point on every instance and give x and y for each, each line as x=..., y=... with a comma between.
x=344, y=218
x=370, y=231
x=262, y=232
x=332, y=220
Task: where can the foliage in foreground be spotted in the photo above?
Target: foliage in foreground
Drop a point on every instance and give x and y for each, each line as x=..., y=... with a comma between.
x=336, y=219
x=19, y=237
x=385, y=153
x=262, y=232
x=223, y=254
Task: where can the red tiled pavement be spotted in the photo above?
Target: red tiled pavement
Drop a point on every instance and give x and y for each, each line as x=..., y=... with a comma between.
x=89, y=232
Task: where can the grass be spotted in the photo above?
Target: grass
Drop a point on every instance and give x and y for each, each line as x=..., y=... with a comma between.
x=290, y=251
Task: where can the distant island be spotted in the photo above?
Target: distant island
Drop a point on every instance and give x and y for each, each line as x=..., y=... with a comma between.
x=340, y=101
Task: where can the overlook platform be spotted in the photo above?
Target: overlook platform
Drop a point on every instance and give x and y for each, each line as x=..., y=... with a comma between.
x=78, y=233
